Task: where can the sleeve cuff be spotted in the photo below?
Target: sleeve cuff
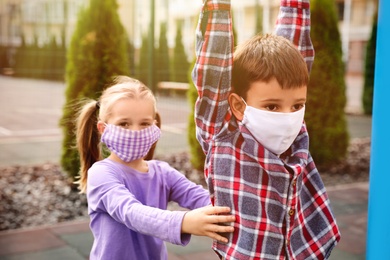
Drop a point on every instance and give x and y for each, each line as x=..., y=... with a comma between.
x=175, y=235
x=301, y=4
x=216, y=5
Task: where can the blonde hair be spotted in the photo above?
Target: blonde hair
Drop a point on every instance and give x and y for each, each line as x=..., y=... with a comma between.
x=91, y=111
x=264, y=57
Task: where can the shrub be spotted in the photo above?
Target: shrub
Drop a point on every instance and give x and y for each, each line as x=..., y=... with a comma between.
x=143, y=65
x=197, y=156
x=180, y=63
x=326, y=97
x=369, y=69
x=3, y=58
x=97, y=52
x=162, y=56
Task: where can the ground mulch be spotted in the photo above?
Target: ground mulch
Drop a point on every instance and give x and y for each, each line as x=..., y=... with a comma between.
x=40, y=194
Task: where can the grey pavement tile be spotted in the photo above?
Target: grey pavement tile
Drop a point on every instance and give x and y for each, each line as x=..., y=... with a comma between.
x=342, y=208
x=62, y=253
x=200, y=256
x=342, y=255
x=81, y=242
x=197, y=244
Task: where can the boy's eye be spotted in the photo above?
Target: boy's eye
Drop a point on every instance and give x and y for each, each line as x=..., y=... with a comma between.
x=271, y=107
x=298, y=107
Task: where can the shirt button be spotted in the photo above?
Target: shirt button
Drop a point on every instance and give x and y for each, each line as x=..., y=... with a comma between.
x=287, y=242
x=291, y=212
x=294, y=183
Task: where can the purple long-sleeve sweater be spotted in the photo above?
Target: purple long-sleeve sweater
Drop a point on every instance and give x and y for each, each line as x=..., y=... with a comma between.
x=128, y=212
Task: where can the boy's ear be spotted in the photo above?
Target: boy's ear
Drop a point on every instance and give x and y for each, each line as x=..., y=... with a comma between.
x=237, y=106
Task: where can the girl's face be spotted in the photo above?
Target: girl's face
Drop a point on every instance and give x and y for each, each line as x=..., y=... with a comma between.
x=132, y=114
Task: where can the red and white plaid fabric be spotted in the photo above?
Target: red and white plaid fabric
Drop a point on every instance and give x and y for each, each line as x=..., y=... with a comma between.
x=281, y=206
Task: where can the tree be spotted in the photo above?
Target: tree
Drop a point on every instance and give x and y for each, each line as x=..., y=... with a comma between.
x=131, y=58
x=326, y=97
x=180, y=63
x=97, y=52
x=34, y=59
x=197, y=156
x=61, y=60
x=235, y=35
x=3, y=57
x=38, y=61
x=259, y=18
x=369, y=69
x=49, y=64
x=162, y=56
x=143, y=68
x=20, y=59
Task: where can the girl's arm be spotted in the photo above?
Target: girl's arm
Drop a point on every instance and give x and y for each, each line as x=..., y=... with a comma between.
x=183, y=191
x=107, y=194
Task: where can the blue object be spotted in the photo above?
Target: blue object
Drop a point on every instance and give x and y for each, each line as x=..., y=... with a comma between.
x=378, y=231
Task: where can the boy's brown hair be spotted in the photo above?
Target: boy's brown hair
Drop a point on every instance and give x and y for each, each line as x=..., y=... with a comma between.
x=264, y=57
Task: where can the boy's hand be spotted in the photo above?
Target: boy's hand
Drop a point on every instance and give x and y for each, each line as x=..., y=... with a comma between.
x=204, y=222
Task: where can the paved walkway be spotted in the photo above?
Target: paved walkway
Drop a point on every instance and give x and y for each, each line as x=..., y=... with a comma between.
x=73, y=240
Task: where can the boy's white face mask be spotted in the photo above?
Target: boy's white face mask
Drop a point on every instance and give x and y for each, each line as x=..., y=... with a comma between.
x=274, y=130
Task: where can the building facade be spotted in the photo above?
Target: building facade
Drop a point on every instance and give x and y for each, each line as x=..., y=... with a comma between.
x=43, y=20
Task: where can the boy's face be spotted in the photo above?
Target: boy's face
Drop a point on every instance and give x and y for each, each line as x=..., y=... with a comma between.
x=269, y=96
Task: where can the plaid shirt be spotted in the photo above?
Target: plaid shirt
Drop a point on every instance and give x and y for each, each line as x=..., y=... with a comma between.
x=281, y=207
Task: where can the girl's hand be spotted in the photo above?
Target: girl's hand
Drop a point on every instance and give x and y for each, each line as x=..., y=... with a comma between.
x=204, y=222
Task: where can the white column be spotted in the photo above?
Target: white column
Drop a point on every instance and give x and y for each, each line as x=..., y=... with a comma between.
x=266, y=16
x=346, y=29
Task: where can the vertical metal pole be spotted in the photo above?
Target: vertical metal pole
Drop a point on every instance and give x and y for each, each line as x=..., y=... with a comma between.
x=378, y=233
x=151, y=84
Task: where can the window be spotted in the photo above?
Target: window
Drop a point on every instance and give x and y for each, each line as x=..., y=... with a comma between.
x=340, y=10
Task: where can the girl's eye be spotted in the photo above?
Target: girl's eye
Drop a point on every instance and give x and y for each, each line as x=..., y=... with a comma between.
x=124, y=124
x=146, y=124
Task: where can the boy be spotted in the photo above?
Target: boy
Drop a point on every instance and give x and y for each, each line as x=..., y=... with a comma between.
x=249, y=121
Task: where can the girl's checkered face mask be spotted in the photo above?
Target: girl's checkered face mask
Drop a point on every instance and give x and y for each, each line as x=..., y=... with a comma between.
x=130, y=145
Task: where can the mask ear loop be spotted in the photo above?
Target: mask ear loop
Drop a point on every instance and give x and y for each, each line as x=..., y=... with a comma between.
x=244, y=101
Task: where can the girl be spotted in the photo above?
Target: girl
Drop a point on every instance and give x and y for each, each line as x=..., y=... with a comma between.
x=127, y=195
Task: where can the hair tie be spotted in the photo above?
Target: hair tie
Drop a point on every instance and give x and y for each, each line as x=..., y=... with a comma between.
x=97, y=104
